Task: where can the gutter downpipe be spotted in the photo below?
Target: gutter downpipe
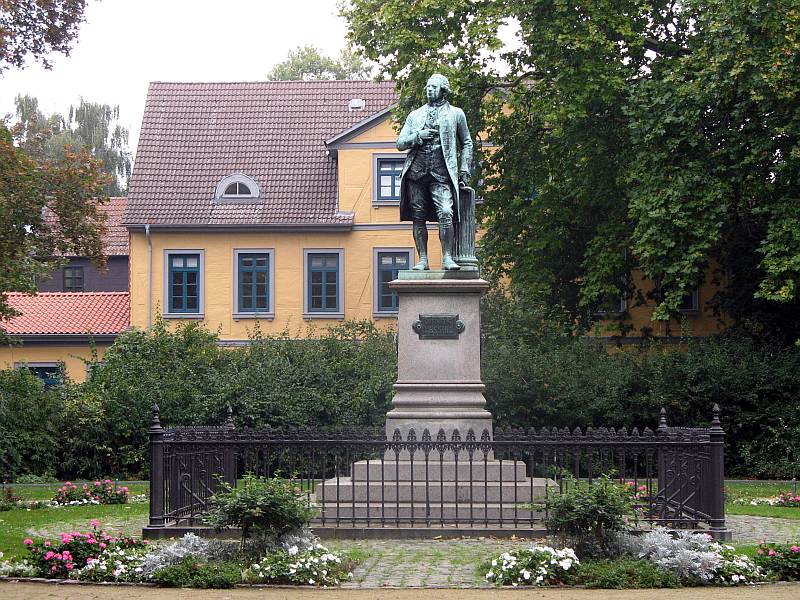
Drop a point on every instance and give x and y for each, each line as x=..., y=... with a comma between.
x=149, y=277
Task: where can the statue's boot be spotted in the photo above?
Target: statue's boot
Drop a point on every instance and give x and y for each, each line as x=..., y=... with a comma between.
x=421, y=242
x=447, y=236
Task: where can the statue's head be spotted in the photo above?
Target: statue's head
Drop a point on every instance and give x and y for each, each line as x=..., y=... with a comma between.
x=437, y=87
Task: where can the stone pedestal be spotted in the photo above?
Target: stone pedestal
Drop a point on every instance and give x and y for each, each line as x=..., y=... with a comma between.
x=439, y=355
x=438, y=396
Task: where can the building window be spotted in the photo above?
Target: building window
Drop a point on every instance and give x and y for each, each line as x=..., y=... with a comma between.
x=237, y=187
x=51, y=373
x=387, y=264
x=253, y=281
x=386, y=176
x=324, y=286
x=184, y=282
x=613, y=306
x=690, y=302
x=73, y=279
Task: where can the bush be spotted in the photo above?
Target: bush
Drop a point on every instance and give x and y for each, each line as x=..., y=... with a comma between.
x=29, y=422
x=266, y=508
x=537, y=565
x=623, y=574
x=189, y=546
x=316, y=566
x=781, y=561
x=71, y=552
x=100, y=492
x=693, y=557
x=585, y=514
x=197, y=574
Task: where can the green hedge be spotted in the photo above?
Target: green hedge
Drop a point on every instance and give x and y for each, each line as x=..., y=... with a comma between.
x=536, y=372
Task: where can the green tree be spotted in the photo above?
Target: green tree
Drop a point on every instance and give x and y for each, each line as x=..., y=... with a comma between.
x=309, y=63
x=657, y=135
x=36, y=28
x=91, y=126
x=71, y=189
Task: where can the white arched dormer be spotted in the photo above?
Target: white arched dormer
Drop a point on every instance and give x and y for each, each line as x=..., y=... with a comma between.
x=237, y=187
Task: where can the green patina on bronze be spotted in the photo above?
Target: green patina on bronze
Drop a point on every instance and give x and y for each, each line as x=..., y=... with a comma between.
x=432, y=182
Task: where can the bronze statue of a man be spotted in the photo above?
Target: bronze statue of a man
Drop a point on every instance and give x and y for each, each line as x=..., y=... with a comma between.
x=429, y=184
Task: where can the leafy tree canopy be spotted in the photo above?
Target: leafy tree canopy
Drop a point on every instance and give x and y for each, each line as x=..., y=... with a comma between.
x=36, y=28
x=309, y=63
x=655, y=135
x=47, y=208
x=91, y=126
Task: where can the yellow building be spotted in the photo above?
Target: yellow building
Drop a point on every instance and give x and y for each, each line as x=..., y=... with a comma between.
x=274, y=202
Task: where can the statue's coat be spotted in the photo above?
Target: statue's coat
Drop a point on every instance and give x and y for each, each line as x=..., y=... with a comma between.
x=452, y=129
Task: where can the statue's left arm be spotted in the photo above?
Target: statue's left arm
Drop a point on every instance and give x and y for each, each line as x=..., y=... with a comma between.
x=465, y=171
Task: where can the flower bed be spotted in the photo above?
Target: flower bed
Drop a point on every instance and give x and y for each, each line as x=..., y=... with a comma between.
x=316, y=566
x=784, y=499
x=537, y=565
x=101, y=492
x=780, y=560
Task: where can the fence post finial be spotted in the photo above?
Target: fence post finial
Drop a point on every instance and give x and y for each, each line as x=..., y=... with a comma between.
x=662, y=421
x=155, y=422
x=229, y=420
x=716, y=424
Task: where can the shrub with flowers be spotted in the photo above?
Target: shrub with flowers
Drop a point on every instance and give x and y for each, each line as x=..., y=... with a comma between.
x=114, y=563
x=694, y=557
x=537, y=565
x=317, y=566
x=782, y=561
x=73, y=550
x=101, y=492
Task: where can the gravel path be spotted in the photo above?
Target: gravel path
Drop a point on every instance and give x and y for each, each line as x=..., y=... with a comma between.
x=753, y=530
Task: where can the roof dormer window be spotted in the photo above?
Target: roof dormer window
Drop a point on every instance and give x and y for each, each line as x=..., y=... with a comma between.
x=237, y=187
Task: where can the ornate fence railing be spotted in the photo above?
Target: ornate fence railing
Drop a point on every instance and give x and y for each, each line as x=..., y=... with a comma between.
x=357, y=478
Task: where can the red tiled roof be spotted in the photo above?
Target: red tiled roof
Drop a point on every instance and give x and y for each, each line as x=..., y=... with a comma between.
x=115, y=241
x=69, y=313
x=194, y=134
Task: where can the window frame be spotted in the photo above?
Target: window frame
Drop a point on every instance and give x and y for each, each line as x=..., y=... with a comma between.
x=73, y=268
x=43, y=365
x=269, y=313
x=184, y=314
x=376, y=286
x=308, y=313
x=221, y=196
x=622, y=308
x=377, y=157
x=694, y=294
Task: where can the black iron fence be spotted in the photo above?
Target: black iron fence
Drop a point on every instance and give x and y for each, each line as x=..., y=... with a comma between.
x=357, y=478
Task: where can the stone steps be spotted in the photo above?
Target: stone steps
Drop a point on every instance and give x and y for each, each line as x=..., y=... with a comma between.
x=449, y=512
x=479, y=471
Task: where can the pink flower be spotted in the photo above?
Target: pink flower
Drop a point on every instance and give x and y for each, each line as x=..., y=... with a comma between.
x=97, y=483
x=53, y=569
x=642, y=488
x=107, y=481
x=102, y=544
x=67, y=483
x=49, y=555
x=27, y=541
x=94, y=523
x=771, y=553
x=47, y=543
x=760, y=551
x=795, y=548
x=69, y=566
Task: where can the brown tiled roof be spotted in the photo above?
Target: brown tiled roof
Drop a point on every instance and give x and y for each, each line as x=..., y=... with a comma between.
x=194, y=134
x=69, y=313
x=115, y=241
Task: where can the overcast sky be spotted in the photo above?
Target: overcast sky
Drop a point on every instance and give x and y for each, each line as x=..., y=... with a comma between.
x=125, y=44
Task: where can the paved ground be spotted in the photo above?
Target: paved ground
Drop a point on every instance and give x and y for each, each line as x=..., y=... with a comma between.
x=42, y=591
x=756, y=529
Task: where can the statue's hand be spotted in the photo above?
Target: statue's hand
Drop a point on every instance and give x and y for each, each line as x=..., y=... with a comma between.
x=426, y=134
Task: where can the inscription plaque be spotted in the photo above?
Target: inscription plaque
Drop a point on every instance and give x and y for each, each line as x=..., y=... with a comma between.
x=438, y=327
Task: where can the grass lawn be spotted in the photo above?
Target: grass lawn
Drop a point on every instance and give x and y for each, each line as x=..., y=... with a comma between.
x=19, y=523
x=758, y=489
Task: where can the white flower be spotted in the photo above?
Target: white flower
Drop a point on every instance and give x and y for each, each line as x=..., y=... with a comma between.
x=526, y=574
x=489, y=575
x=494, y=561
x=565, y=564
x=293, y=550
